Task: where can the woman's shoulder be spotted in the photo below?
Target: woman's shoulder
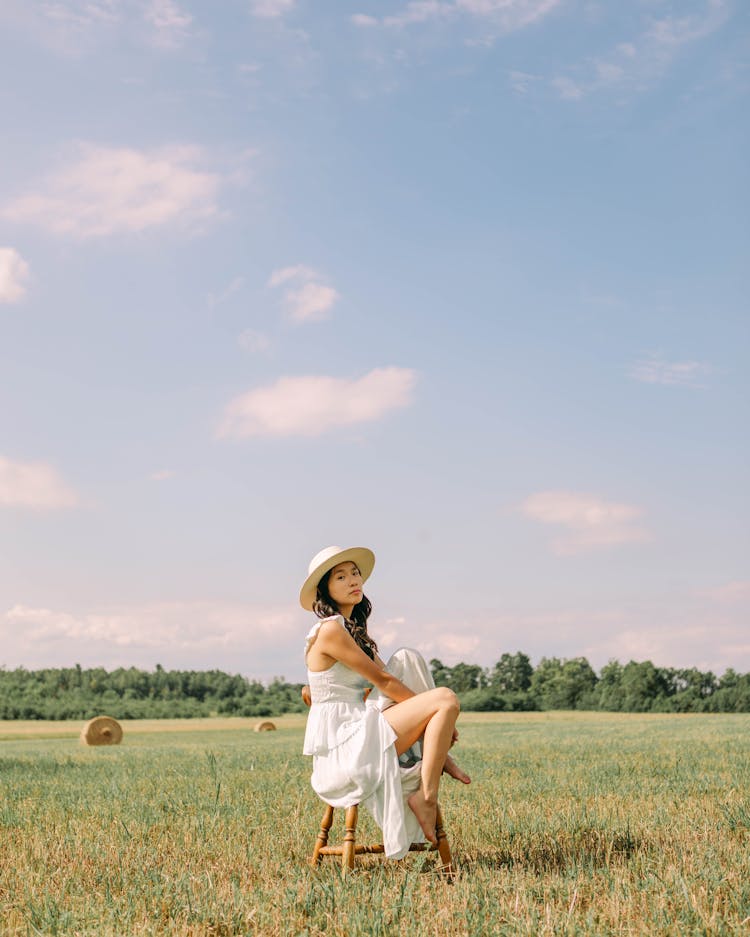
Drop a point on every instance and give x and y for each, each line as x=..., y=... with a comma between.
x=324, y=625
x=331, y=625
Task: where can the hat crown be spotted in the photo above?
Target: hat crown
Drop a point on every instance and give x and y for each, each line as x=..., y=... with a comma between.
x=320, y=558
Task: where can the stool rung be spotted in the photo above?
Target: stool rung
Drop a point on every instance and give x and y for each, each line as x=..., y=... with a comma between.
x=349, y=849
x=375, y=849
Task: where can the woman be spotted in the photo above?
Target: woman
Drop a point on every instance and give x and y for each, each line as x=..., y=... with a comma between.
x=355, y=743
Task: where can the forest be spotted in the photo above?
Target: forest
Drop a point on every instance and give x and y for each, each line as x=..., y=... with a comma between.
x=512, y=684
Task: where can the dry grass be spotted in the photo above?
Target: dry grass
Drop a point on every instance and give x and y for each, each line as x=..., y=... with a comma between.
x=576, y=824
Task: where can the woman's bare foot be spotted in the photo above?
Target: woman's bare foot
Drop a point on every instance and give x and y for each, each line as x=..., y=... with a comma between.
x=450, y=767
x=426, y=813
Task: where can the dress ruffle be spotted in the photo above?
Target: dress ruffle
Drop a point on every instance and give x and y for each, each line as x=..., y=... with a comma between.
x=313, y=632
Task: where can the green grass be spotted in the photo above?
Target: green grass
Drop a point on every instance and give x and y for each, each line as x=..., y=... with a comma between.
x=575, y=824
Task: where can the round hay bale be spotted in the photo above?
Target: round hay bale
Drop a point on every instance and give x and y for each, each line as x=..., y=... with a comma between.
x=103, y=730
x=264, y=727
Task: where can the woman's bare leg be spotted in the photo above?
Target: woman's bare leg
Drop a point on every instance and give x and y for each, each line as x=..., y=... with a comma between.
x=432, y=715
x=412, y=669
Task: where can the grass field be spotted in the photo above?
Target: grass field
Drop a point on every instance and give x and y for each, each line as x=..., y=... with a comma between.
x=575, y=824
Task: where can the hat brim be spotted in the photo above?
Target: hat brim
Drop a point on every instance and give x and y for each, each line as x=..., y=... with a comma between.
x=364, y=558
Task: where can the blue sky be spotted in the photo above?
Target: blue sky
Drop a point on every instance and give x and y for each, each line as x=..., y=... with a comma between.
x=464, y=281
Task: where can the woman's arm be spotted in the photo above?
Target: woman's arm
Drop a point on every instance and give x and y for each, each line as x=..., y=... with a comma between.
x=337, y=643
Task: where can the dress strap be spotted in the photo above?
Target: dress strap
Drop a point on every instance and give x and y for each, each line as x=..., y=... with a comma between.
x=313, y=632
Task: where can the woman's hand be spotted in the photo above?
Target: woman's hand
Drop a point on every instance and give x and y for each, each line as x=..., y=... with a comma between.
x=454, y=737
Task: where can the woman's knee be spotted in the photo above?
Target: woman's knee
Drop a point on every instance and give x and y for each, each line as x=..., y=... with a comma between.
x=447, y=698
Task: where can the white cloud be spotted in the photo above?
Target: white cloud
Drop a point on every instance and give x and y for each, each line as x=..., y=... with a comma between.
x=14, y=272
x=271, y=9
x=76, y=27
x=171, y=25
x=652, y=369
x=591, y=521
x=567, y=88
x=448, y=644
x=511, y=14
x=638, y=63
x=109, y=190
x=521, y=81
x=708, y=646
x=729, y=593
x=672, y=631
x=284, y=274
x=33, y=485
x=310, y=406
x=82, y=14
x=162, y=475
x=256, y=342
x=310, y=299
x=176, y=633
x=419, y=11
x=361, y=19
x=503, y=15
x=679, y=30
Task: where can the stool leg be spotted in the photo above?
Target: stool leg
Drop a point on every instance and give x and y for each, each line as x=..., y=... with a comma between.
x=322, y=840
x=443, y=845
x=350, y=834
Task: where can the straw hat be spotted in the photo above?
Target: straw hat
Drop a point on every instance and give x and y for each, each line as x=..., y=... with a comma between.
x=324, y=561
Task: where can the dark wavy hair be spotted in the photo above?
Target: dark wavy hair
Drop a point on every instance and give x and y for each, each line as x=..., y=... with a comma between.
x=324, y=606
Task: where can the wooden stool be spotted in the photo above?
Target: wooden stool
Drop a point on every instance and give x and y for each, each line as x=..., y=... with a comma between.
x=349, y=849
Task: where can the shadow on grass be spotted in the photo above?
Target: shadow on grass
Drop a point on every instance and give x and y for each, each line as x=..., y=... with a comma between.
x=585, y=849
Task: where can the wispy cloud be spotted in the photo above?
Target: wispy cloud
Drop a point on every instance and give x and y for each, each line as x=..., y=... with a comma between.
x=35, y=485
x=522, y=81
x=162, y=475
x=363, y=20
x=706, y=645
x=271, y=9
x=254, y=341
x=14, y=273
x=170, y=24
x=638, y=63
x=502, y=16
x=450, y=644
x=735, y=592
x=75, y=27
x=678, y=30
x=309, y=299
x=216, y=299
x=590, y=521
x=111, y=190
x=82, y=14
x=653, y=369
x=180, y=632
x=419, y=11
x=310, y=406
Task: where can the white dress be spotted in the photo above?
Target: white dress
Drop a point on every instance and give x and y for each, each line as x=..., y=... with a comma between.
x=352, y=745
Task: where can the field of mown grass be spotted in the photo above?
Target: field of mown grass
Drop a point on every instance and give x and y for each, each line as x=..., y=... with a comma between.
x=575, y=824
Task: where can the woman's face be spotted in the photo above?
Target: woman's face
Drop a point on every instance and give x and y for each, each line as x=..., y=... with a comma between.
x=345, y=585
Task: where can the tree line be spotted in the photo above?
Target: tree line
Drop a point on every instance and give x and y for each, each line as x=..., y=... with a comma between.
x=513, y=684
x=130, y=693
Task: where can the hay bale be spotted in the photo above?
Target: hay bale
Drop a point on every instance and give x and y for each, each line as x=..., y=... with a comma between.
x=103, y=730
x=264, y=727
